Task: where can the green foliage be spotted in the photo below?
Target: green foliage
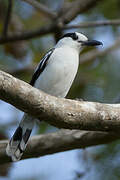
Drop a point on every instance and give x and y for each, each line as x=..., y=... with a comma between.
x=110, y=9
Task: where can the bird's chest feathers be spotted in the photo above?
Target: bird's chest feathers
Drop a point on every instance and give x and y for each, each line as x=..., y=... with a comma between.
x=59, y=74
x=66, y=62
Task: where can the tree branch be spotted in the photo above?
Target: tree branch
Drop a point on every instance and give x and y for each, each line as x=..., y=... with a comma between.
x=52, y=29
x=60, y=141
x=7, y=19
x=28, y=35
x=95, y=24
x=60, y=112
x=77, y=7
x=42, y=8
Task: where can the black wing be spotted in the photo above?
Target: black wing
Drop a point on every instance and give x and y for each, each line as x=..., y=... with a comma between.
x=41, y=67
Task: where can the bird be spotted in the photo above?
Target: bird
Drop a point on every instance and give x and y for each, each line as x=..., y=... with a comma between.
x=54, y=75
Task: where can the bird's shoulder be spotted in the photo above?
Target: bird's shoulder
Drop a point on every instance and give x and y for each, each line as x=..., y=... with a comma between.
x=41, y=66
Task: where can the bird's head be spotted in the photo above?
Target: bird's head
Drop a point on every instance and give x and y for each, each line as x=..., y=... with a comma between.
x=77, y=41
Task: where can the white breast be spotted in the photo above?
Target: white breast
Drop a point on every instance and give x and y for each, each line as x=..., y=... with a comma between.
x=58, y=75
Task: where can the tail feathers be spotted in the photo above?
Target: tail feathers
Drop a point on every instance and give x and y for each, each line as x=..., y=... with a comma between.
x=18, y=142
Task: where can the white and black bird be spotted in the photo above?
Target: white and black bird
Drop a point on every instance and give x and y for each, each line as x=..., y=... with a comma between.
x=54, y=75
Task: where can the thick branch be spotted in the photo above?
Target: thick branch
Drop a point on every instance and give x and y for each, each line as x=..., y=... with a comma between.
x=60, y=112
x=60, y=141
x=42, y=8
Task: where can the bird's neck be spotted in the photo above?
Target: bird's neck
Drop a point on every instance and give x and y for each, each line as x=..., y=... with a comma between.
x=68, y=47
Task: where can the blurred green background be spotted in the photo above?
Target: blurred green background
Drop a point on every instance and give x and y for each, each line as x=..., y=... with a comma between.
x=97, y=80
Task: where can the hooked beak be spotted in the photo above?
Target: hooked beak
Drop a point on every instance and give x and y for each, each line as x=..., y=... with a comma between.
x=91, y=43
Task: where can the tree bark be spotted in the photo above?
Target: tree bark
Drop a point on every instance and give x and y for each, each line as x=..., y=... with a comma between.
x=60, y=141
x=60, y=112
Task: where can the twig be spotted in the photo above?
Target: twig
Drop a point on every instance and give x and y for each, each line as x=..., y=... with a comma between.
x=77, y=7
x=60, y=141
x=28, y=35
x=42, y=8
x=115, y=22
x=52, y=29
x=8, y=17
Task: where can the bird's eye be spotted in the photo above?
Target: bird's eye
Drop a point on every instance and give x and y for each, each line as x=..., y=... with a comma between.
x=74, y=36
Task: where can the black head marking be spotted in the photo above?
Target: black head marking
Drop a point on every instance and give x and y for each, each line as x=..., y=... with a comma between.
x=72, y=35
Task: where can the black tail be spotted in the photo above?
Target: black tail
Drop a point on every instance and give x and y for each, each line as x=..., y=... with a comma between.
x=18, y=142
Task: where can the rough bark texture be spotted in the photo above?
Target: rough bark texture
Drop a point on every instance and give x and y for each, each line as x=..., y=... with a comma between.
x=60, y=112
x=60, y=141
